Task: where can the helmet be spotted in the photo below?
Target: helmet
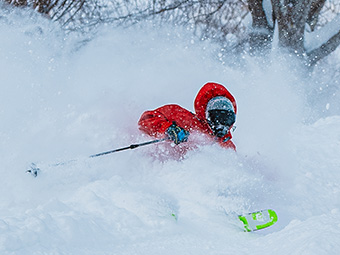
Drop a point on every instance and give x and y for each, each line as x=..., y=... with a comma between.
x=220, y=115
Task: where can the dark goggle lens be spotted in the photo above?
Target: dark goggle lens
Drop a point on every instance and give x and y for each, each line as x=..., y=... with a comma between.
x=221, y=117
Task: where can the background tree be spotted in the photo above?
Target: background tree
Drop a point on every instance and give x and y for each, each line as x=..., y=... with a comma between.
x=295, y=20
x=238, y=25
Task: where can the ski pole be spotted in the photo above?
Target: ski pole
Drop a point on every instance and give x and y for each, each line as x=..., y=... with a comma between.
x=34, y=169
x=132, y=146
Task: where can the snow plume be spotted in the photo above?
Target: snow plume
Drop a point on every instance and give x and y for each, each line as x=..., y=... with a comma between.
x=59, y=104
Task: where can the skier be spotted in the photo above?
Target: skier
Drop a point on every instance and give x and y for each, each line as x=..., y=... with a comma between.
x=214, y=117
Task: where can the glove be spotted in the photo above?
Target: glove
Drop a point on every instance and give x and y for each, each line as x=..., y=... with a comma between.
x=177, y=134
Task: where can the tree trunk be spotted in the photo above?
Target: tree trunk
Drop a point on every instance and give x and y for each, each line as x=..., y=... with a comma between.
x=313, y=15
x=291, y=18
x=261, y=36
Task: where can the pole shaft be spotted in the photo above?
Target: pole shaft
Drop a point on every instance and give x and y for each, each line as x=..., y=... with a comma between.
x=34, y=169
x=132, y=146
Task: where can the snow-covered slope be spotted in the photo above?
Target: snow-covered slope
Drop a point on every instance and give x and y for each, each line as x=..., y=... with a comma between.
x=62, y=99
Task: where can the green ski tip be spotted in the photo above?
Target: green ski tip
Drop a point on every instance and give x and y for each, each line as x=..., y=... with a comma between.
x=258, y=220
x=174, y=216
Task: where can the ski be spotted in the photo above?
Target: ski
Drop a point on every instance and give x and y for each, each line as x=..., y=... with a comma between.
x=258, y=220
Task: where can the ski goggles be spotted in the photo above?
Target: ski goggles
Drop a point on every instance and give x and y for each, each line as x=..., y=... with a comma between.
x=220, y=121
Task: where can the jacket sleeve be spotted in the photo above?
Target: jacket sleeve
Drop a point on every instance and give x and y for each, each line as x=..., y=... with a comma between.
x=155, y=122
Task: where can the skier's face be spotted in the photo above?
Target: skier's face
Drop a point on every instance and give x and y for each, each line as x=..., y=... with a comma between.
x=220, y=121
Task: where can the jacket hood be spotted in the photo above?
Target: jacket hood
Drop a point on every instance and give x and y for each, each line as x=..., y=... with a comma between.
x=207, y=92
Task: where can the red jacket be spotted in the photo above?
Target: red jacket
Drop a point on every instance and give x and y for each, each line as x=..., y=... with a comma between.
x=156, y=122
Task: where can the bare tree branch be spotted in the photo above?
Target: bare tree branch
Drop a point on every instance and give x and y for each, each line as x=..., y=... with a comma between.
x=324, y=50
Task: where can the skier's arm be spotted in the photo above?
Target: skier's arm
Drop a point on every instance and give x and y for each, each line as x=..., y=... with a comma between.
x=163, y=121
x=154, y=123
